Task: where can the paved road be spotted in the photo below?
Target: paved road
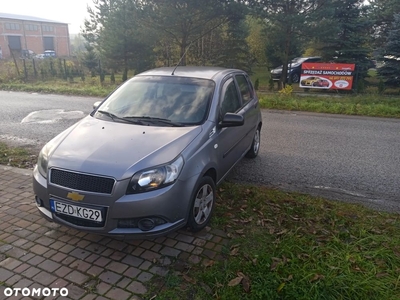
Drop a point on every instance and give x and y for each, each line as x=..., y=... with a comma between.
x=37, y=129
x=340, y=157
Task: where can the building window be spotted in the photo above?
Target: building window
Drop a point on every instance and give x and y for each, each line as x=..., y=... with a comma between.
x=47, y=28
x=31, y=27
x=12, y=26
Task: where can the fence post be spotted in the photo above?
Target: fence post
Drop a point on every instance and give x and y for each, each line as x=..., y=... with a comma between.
x=15, y=61
x=25, y=70
x=34, y=67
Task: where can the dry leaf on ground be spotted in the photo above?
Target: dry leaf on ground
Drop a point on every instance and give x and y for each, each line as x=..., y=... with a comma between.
x=235, y=281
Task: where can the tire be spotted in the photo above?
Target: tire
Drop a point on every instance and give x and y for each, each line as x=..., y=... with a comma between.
x=202, y=204
x=295, y=78
x=255, y=145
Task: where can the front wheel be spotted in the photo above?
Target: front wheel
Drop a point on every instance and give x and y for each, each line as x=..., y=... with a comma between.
x=295, y=78
x=255, y=145
x=202, y=204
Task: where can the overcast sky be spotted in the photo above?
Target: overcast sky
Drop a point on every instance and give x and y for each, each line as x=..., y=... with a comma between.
x=72, y=12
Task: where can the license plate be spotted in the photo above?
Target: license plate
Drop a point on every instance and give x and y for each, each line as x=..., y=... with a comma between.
x=76, y=211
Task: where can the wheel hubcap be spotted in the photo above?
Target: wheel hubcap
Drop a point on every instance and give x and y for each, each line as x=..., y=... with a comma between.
x=256, y=141
x=203, y=204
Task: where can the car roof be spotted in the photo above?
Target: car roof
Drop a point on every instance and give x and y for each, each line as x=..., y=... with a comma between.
x=307, y=58
x=192, y=72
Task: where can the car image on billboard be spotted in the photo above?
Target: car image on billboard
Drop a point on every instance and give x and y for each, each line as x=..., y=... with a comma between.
x=315, y=81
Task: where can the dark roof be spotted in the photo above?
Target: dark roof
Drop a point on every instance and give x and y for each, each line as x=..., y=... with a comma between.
x=27, y=18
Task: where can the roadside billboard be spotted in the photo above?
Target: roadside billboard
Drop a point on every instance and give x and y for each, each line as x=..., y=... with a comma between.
x=327, y=76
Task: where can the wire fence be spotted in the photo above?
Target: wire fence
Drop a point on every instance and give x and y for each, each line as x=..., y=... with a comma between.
x=30, y=70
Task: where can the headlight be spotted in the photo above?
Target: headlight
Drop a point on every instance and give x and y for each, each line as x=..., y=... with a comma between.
x=151, y=179
x=43, y=160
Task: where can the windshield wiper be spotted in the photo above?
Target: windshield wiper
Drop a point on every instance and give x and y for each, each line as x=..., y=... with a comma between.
x=115, y=117
x=160, y=120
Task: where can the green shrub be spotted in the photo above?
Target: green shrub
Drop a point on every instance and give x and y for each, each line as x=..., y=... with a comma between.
x=270, y=84
x=381, y=86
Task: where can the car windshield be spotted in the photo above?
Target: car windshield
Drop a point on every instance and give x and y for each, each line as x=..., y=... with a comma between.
x=295, y=62
x=160, y=101
x=298, y=60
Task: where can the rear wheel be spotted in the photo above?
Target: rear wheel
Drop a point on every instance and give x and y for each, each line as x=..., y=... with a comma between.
x=255, y=145
x=202, y=204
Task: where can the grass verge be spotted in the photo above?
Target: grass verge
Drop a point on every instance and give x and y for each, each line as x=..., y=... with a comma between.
x=16, y=156
x=363, y=105
x=292, y=246
x=62, y=88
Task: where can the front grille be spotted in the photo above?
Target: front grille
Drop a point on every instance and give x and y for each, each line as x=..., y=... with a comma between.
x=80, y=222
x=82, y=182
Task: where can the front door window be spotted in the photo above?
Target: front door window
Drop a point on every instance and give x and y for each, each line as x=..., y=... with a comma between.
x=231, y=101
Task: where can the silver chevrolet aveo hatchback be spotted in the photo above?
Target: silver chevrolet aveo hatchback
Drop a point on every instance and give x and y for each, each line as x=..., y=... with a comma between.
x=147, y=160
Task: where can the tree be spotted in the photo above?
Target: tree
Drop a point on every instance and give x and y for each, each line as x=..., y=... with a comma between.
x=229, y=46
x=123, y=42
x=235, y=52
x=350, y=39
x=90, y=59
x=115, y=29
x=186, y=21
x=289, y=22
x=77, y=45
x=256, y=39
x=382, y=12
x=391, y=68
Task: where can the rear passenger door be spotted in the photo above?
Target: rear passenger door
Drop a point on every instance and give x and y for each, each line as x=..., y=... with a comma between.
x=249, y=110
x=230, y=139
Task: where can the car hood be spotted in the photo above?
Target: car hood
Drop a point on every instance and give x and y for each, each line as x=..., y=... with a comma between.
x=118, y=149
x=290, y=66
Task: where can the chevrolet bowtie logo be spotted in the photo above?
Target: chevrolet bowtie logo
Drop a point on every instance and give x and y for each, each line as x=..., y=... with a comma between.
x=75, y=196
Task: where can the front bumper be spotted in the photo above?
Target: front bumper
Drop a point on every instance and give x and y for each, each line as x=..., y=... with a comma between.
x=170, y=204
x=276, y=76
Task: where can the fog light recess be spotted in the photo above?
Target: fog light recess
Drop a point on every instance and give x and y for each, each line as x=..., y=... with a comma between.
x=146, y=224
x=38, y=201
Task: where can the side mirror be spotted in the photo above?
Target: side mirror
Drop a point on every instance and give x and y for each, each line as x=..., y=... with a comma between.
x=231, y=120
x=96, y=104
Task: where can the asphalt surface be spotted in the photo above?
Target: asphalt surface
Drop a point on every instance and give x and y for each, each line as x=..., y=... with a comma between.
x=15, y=107
x=340, y=157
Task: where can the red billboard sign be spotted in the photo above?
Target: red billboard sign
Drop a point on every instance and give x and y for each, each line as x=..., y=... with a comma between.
x=327, y=76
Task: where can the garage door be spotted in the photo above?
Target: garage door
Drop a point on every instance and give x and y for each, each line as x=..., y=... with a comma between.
x=48, y=42
x=14, y=42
